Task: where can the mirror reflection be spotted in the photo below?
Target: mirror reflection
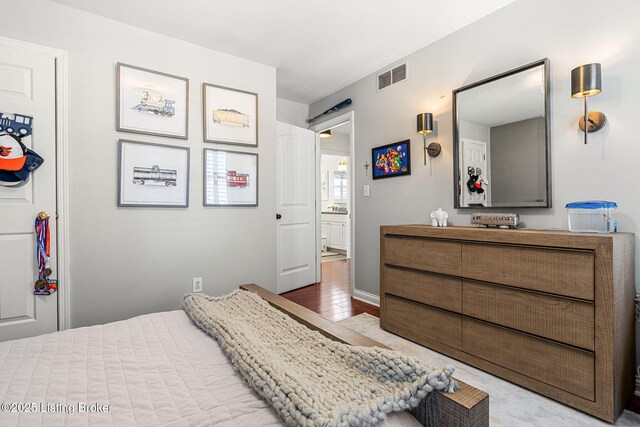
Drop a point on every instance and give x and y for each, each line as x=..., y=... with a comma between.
x=501, y=140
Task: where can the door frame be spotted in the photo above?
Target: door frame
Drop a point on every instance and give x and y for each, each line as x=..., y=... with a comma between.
x=329, y=124
x=62, y=173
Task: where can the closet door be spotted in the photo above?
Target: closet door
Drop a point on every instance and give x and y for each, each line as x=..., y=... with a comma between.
x=27, y=89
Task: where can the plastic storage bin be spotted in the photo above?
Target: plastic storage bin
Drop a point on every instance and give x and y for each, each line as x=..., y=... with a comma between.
x=593, y=216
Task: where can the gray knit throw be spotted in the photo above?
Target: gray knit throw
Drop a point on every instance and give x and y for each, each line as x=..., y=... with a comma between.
x=309, y=379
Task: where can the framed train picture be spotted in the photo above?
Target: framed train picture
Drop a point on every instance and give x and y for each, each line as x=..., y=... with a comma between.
x=153, y=175
x=230, y=178
x=230, y=115
x=391, y=160
x=151, y=102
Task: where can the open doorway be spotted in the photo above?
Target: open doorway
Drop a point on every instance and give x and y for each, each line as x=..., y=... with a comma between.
x=335, y=163
x=335, y=145
x=332, y=294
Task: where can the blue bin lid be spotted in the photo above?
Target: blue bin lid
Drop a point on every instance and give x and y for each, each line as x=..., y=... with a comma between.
x=591, y=204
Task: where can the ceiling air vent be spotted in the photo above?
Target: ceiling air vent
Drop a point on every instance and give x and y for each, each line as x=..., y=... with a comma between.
x=392, y=76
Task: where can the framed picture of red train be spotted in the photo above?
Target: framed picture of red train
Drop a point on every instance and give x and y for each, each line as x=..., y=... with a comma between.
x=391, y=160
x=230, y=178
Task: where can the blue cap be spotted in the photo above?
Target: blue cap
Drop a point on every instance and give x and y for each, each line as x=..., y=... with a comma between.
x=33, y=162
x=591, y=204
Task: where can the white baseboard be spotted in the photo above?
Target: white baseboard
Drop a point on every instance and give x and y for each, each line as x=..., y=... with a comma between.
x=366, y=297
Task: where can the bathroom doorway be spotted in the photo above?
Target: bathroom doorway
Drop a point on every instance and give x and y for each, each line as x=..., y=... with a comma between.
x=335, y=197
x=335, y=161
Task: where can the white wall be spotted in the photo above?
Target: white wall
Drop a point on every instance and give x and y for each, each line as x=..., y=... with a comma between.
x=475, y=131
x=129, y=261
x=293, y=113
x=338, y=143
x=524, y=31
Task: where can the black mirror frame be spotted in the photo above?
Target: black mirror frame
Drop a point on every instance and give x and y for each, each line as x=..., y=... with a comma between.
x=456, y=137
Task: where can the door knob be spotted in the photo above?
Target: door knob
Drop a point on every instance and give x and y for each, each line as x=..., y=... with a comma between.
x=278, y=216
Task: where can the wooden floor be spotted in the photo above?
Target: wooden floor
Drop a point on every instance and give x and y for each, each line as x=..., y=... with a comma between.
x=332, y=297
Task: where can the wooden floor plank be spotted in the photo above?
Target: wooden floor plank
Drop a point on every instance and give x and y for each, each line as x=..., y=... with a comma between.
x=331, y=298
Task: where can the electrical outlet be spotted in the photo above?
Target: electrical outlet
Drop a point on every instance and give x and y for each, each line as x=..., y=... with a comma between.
x=197, y=284
x=366, y=191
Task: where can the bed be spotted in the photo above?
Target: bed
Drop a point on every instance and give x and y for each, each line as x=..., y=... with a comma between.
x=160, y=369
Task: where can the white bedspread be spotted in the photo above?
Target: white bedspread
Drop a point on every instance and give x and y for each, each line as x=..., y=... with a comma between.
x=156, y=369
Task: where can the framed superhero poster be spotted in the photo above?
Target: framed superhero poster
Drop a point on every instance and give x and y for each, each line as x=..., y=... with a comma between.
x=391, y=160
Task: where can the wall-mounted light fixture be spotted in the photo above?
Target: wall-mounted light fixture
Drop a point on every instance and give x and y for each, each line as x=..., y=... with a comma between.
x=424, y=127
x=586, y=81
x=325, y=133
x=342, y=165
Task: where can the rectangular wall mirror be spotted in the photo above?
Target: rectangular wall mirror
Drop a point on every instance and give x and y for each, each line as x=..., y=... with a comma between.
x=501, y=140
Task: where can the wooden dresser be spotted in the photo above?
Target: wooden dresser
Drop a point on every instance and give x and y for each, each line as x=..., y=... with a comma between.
x=552, y=311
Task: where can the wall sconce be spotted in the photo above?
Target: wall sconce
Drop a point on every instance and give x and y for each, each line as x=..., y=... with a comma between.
x=424, y=127
x=586, y=81
x=325, y=133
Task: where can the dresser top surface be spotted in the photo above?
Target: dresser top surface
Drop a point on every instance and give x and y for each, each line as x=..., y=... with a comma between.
x=557, y=238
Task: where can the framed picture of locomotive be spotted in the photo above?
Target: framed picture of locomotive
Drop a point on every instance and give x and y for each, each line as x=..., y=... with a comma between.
x=152, y=175
x=151, y=102
x=230, y=115
x=230, y=178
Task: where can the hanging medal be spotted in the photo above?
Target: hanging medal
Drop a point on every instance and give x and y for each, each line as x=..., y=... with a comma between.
x=43, y=286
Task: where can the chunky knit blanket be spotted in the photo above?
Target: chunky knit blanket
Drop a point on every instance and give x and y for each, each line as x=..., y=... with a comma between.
x=309, y=379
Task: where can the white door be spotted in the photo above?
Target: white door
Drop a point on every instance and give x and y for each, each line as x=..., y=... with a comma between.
x=296, y=195
x=474, y=155
x=27, y=86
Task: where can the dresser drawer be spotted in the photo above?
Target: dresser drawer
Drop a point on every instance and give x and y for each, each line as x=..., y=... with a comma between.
x=562, y=272
x=424, y=254
x=417, y=321
x=561, y=319
x=428, y=288
x=558, y=365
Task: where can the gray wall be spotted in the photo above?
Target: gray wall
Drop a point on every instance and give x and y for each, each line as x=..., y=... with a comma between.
x=130, y=261
x=518, y=163
x=522, y=32
x=293, y=113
